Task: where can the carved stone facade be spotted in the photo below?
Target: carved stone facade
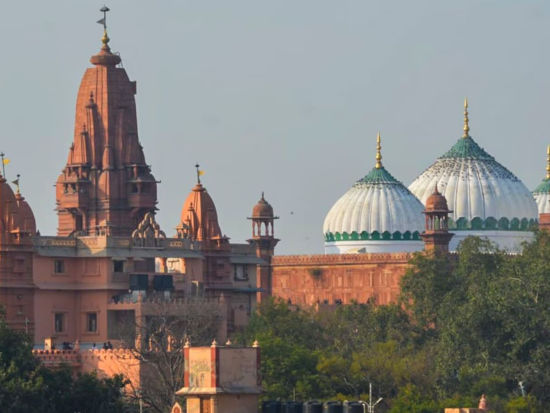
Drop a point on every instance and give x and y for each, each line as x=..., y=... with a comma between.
x=106, y=187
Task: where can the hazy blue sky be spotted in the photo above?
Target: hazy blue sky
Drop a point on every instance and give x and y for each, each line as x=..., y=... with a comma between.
x=280, y=96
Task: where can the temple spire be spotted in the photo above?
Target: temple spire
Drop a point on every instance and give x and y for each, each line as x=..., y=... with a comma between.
x=466, y=120
x=378, y=152
x=548, y=162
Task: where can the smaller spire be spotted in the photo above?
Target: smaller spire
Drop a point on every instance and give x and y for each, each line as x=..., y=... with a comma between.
x=548, y=162
x=378, y=152
x=466, y=120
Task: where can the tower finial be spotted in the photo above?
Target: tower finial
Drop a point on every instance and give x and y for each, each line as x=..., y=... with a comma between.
x=378, y=152
x=466, y=120
x=548, y=162
x=105, y=39
x=16, y=183
x=199, y=173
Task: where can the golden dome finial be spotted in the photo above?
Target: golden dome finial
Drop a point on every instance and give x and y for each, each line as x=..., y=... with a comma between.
x=378, y=152
x=105, y=39
x=466, y=120
x=548, y=162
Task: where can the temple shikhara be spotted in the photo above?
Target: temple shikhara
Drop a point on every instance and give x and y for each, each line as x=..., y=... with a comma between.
x=110, y=267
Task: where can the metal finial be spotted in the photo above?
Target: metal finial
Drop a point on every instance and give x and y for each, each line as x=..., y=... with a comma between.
x=16, y=183
x=378, y=152
x=197, y=166
x=105, y=39
x=548, y=162
x=466, y=120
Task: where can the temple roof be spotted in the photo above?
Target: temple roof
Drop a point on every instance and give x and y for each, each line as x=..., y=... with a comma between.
x=106, y=186
x=199, y=219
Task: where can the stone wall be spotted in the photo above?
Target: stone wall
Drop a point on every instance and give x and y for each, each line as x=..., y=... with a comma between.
x=307, y=280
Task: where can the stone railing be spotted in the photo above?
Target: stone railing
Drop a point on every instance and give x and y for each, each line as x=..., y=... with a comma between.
x=54, y=242
x=56, y=357
x=102, y=241
x=328, y=259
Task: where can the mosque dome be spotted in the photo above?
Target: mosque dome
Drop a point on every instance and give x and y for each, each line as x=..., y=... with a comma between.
x=377, y=214
x=486, y=198
x=542, y=192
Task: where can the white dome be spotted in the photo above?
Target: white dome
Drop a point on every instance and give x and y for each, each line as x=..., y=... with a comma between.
x=482, y=193
x=378, y=214
x=542, y=196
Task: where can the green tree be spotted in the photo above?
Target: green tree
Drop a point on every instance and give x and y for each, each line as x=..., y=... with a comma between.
x=26, y=386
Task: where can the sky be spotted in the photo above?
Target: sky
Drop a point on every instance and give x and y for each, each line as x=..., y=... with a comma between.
x=280, y=96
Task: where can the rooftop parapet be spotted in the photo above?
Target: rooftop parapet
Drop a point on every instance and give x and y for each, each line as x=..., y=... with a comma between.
x=109, y=246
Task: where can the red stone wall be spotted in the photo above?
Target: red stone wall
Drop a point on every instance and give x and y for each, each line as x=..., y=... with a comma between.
x=325, y=279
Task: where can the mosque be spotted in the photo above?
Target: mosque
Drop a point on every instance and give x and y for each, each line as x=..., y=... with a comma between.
x=371, y=232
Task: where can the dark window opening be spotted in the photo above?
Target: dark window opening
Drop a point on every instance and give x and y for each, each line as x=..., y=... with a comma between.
x=59, y=321
x=59, y=266
x=118, y=266
x=91, y=322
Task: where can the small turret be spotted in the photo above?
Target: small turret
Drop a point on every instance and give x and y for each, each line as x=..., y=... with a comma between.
x=437, y=236
x=264, y=241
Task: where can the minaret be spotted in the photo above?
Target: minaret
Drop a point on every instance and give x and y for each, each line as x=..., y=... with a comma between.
x=436, y=236
x=106, y=187
x=542, y=196
x=264, y=241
